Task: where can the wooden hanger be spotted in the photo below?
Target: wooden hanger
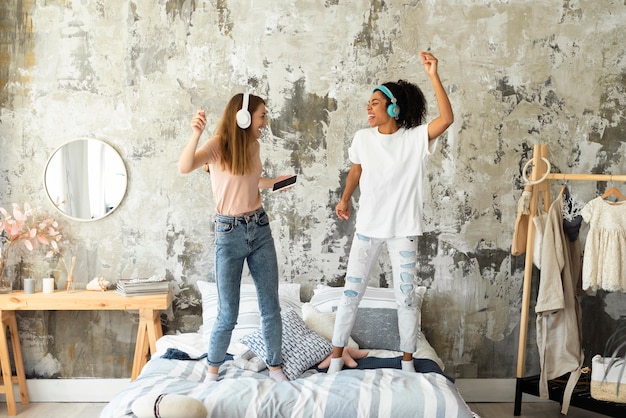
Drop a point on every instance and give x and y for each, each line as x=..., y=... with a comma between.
x=564, y=187
x=613, y=192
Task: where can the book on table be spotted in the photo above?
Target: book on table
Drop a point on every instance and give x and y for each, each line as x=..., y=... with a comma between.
x=142, y=286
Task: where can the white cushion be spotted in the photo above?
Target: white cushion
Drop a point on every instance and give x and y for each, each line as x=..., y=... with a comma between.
x=168, y=406
x=302, y=347
x=322, y=322
x=326, y=298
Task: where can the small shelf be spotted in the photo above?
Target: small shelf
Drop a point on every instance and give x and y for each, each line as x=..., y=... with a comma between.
x=581, y=397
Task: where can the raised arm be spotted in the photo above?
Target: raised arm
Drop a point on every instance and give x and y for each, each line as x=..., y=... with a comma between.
x=190, y=159
x=438, y=125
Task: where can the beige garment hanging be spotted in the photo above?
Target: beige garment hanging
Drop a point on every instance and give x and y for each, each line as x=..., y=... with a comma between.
x=559, y=328
x=520, y=231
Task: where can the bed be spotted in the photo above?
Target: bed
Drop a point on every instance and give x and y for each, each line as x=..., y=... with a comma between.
x=376, y=387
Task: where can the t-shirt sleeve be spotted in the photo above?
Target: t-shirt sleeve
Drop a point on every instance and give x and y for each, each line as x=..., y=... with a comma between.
x=353, y=151
x=432, y=145
x=211, y=149
x=587, y=211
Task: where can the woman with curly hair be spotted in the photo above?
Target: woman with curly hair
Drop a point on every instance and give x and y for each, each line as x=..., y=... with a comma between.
x=387, y=165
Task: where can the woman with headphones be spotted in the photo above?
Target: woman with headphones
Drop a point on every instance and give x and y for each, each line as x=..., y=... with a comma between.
x=387, y=165
x=242, y=229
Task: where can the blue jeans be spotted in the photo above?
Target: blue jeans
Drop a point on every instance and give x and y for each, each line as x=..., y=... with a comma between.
x=237, y=239
x=363, y=254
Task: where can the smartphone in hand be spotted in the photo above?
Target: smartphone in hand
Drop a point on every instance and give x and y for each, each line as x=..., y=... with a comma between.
x=284, y=183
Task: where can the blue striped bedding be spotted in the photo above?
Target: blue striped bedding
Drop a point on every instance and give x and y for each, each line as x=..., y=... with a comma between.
x=382, y=392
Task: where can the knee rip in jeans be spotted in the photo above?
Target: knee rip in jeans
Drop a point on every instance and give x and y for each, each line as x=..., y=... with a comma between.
x=408, y=277
x=410, y=265
x=350, y=297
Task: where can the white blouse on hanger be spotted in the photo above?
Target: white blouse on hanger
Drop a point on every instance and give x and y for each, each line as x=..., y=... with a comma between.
x=604, y=260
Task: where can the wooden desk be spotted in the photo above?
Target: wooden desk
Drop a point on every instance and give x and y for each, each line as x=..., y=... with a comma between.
x=149, y=331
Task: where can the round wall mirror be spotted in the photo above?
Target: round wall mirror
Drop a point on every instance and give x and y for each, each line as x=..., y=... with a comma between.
x=85, y=179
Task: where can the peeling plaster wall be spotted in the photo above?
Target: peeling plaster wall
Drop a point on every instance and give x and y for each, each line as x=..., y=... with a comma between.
x=132, y=73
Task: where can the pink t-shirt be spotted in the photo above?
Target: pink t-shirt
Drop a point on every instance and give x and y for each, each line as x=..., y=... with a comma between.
x=234, y=195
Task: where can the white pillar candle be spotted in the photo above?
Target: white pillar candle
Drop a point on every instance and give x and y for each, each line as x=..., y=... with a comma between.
x=48, y=285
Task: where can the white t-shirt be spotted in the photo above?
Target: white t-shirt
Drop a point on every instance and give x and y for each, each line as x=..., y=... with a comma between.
x=391, y=202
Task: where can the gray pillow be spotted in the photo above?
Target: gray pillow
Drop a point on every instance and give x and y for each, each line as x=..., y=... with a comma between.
x=376, y=328
x=376, y=324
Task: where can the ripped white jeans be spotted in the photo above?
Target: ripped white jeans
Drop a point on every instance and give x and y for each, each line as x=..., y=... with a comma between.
x=363, y=254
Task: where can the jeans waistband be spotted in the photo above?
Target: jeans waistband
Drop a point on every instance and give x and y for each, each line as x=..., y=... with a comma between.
x=246, y=218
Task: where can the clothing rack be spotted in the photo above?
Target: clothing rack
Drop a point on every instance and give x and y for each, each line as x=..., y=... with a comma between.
x=539, y=184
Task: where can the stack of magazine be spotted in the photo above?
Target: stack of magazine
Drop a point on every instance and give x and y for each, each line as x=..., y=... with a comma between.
x=146, y=286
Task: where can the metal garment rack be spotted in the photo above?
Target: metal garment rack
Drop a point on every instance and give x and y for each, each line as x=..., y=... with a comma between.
x=539, y=182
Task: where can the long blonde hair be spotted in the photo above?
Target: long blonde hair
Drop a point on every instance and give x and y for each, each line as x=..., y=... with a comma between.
x=235, y=141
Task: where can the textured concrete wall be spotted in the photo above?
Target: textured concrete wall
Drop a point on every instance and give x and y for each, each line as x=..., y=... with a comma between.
x=133, y=72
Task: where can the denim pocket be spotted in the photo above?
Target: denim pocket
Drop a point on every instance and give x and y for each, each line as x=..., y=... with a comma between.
x=223, y=227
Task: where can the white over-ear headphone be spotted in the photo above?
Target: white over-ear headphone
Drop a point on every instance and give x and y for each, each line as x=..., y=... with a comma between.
x=243, y=115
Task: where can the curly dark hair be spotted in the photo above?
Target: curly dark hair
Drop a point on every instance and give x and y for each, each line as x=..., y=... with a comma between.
x=412, y=103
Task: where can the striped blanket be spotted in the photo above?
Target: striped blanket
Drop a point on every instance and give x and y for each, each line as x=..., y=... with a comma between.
x=383, y=392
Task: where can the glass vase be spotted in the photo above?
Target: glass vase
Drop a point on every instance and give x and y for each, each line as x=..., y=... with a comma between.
x=69, y=284
x=6, y=278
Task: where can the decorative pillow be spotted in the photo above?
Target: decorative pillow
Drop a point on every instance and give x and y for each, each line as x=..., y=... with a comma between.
x=302, y=347
x=322, y=322
x=168, y=405
x=249, y=319
x=376, y=328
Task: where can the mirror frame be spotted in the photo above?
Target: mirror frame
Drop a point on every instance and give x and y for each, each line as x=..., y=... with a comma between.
x=108, y=147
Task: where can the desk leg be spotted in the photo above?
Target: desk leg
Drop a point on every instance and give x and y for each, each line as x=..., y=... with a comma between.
x=19, y=361
x=147, y=334
x=5, y=361
x=9, y=321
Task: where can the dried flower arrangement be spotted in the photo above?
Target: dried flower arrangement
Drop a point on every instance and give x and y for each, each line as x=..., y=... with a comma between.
x=24, y=226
